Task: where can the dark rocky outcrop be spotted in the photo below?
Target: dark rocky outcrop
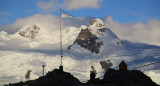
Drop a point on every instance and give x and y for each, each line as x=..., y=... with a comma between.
x=54, y=78
x=88, y=41
x=123, y=78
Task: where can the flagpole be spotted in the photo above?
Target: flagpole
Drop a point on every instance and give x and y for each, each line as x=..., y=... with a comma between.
x=61, y=67
x=60, y=39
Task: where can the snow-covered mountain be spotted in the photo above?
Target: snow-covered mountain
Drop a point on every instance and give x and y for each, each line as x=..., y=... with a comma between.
x=82, y=47
x=96, y=38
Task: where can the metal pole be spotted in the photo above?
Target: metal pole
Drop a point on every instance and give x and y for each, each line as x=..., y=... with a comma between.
x=60, y=39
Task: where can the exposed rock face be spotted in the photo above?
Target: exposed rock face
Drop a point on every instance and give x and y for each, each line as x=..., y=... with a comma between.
x=85, y=34
x=88, y=41
x=29, y=32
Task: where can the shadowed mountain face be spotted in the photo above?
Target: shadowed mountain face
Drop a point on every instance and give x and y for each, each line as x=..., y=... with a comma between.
x=88, y=41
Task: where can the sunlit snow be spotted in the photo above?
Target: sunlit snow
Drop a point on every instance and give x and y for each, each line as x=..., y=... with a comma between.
x=19, y=54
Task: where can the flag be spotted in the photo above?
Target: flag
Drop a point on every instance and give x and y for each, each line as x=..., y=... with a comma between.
x=65, y=15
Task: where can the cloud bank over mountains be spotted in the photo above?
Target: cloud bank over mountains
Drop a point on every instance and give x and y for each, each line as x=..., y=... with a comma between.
x=147, y=33
x=46, y=21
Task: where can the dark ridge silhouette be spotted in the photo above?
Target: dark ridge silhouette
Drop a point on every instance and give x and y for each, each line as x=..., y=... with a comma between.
x=54, y=78
x=112, y=77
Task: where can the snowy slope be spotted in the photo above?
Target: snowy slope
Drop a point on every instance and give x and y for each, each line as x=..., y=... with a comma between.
x=19, y=54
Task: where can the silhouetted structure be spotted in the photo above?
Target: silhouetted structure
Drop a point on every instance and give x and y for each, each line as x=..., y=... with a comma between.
x=61, y=68
x=92, y=75
x=43, y=69
x=122, y=66
x=123, y=77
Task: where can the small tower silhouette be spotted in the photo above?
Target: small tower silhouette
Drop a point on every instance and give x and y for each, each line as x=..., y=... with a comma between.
x=93, y=73
x=122, y=66
x=43, y=69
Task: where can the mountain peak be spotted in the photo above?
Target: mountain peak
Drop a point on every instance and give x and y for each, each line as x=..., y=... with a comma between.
x=96, y=23
x=96, y=37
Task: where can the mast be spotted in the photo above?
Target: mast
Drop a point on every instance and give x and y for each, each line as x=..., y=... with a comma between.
x=60, y=41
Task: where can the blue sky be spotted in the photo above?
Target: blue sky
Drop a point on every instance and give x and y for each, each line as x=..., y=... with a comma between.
x=123, y=11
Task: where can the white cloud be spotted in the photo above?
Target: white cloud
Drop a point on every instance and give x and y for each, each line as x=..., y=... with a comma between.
x=2, y=13
x=52, y=5
x=29, y=11
x=37, y=18
x=79, y=4
x=47, y=6
x=148, y=33
x=48, y=21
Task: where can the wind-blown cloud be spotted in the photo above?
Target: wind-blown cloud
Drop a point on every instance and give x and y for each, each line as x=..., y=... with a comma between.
x=148, y=33
x=52, y=5
x=79, y=4
x=2, y=13
x=47, y=6
x=44, y=20
x=132, y=13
